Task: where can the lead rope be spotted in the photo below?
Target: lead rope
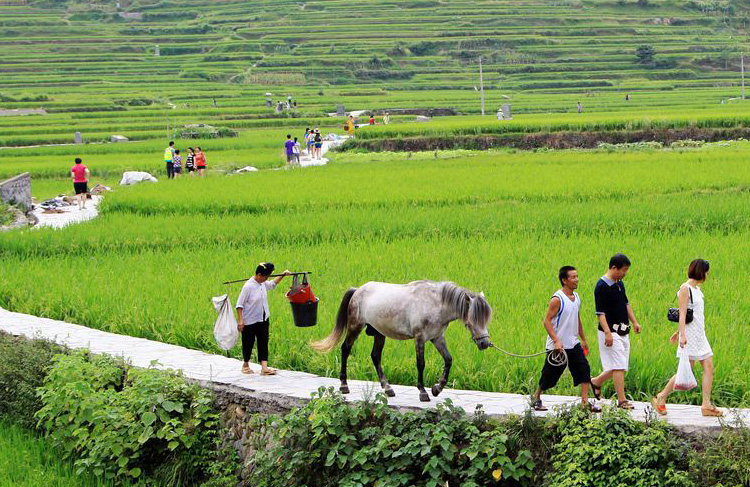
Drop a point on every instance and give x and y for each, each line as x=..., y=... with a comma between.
x=556, y=358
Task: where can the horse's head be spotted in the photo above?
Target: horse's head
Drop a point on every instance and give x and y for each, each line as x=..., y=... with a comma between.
x=477, y=319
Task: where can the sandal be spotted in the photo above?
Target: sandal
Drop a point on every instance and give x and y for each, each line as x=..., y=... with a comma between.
x=538, y=406
x=268, y=371
x=591, y=407
x=597, y=390
x=661, y=409
x=626, y=405
x=247, y=370
x=712, y=411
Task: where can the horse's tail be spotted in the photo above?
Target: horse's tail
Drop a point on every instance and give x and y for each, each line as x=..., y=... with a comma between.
x=327, y=344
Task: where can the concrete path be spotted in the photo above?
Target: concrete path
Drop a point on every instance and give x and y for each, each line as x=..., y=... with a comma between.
x=226, y=371
x=70, y=214
x=306, y=161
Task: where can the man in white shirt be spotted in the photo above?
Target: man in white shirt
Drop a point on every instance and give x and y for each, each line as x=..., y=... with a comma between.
x=253, y=316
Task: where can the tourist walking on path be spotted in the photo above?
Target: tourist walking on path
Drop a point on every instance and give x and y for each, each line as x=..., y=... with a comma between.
x=565, y=332
x=580, y=107
x=177, y=163
x=616, y=318
x=308, y=142
x=80, y=174
x=318, y=140
x=200, y=161
x=190, y=161
x=253, y=316
x=296, y=150
x=168, y=159
x=289, y=147
x=692, y=338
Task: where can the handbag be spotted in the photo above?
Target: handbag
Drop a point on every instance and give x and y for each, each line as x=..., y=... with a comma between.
x=673, y=314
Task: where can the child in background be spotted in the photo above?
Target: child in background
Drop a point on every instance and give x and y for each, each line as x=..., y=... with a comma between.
x=177, y=163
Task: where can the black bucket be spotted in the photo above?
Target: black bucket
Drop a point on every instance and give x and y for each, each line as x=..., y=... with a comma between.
x=305, y=314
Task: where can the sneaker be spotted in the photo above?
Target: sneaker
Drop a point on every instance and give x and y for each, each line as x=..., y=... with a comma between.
x=538, y=406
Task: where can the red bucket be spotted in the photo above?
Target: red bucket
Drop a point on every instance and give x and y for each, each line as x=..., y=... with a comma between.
x=304, y=302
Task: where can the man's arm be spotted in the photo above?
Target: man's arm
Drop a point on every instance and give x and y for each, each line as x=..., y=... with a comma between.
x=552, y=310
x=279, y=278
x=581, y=334
x=632, y=319
x=240, y=320
x=600, y=300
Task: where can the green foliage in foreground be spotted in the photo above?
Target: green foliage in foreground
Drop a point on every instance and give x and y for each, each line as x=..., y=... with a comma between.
x=29, y=461
x=121, y=422
x=329, y=442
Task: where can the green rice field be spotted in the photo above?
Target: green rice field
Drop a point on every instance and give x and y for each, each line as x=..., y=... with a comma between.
x=500, y=222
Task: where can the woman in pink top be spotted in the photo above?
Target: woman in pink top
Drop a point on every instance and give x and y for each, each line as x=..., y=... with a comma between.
x=80, y=174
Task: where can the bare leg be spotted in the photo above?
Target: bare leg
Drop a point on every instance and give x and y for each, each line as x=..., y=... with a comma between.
x=585, y=393
x=664, y=394
x=708, y=381
x=600, y=379
x=377, y=354
x=442, y=348
x=618, y=377
x=537, y=394
x=346, y=349
x=423, y=396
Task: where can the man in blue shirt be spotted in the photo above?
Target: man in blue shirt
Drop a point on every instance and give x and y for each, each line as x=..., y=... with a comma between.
x=616, y=319
x=289, y=146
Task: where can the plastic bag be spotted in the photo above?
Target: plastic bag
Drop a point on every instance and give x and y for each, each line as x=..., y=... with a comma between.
x=685, y=378
x=225, y=328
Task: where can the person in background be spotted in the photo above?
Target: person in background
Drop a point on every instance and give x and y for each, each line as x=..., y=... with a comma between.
x=200, y=161
x=350, y=125
x=372, y=119
x=190, y=161
x=692, y=337
x=580, y=107
x=177, y=163
x=168, y=158
x=253, y=316
x=387, y=118
x=289, y=147
x=564, y=329
x=80, y=175
x=296, y=151
x=318, y=140
x=308, y=142
x=616, y=318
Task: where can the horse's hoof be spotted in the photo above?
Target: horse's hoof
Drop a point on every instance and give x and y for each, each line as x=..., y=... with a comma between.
x=436, y=390
x=344, y=389
x=424, y=397
x=389, y=392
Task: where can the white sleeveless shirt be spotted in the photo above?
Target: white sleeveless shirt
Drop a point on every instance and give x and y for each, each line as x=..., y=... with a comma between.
x=565, y=322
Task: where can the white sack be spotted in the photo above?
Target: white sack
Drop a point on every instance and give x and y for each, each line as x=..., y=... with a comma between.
x=685, y=379
x=225, y=328
x=134, y=177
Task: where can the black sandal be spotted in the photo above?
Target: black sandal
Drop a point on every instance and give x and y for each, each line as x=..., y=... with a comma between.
x=597, y=391
x=538, y=406
x=626, y=405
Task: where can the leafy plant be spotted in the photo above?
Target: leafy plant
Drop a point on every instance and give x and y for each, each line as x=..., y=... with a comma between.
x=330, y=442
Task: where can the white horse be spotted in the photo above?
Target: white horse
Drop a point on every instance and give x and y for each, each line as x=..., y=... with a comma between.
x=420, y=310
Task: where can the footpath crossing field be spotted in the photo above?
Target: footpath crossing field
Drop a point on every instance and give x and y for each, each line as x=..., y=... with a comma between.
x=501, y=222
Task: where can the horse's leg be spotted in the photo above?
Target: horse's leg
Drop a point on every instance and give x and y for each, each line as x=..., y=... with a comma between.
x=377, y=354
x=346, y=349
x=442, y=348
x=423, y=396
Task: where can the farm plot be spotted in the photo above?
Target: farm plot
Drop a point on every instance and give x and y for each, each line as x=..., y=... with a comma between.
x=501, y=223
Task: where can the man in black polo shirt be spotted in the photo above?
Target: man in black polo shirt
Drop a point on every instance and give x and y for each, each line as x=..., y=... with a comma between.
x=616, y=319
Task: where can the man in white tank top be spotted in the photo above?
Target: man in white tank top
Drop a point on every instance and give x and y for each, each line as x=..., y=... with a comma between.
x=564, y=329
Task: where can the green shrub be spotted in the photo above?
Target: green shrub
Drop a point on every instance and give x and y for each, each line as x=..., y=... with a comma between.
x=23, y=366
x=616, y=450
x=725, y=462
x=330, y=442
x=120, y=422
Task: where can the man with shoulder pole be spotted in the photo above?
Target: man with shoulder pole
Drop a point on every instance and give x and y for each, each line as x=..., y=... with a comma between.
x=616, y=318
x=564, y=329
x=253, y=316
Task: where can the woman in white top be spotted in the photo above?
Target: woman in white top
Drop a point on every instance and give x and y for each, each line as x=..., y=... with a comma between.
x=692, y=338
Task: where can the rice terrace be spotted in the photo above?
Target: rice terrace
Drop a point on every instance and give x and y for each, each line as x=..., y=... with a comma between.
x=472, y=149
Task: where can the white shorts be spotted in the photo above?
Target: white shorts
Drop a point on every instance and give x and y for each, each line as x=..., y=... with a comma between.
x=616, y=357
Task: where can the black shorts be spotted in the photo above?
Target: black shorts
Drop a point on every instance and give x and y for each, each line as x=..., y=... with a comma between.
x=190, y=168
x=577, y=363
x=177, y=169
x=290, y=158
x=201, y=167
x=81, y=188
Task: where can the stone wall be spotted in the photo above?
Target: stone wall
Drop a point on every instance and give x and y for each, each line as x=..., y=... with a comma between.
x=17, y=191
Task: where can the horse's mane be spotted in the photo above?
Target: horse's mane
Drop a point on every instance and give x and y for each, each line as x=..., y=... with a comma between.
x=470, y=307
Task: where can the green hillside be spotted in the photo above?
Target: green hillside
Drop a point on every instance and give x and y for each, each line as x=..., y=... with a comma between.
x=90, y=62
